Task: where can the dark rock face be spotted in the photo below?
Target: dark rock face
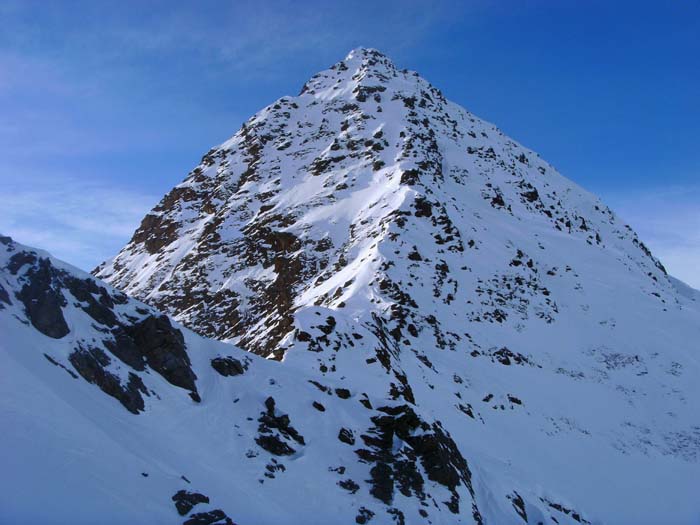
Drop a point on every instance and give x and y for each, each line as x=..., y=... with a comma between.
x=4, y=297
x=90, y=365
x=346, y=436
x=43, y=298
x=227, y=366
x=507, y=357
x=390, y=468
x=214, y=517
x=85, y=290
x=363, y=516
x=342, y=393
x=281, y=294
x=431, y=447
x=156, y=230
x=519, y=505
x=185, y=501
x=349, y=485
x=151, y=341
x=565, y=511
x=275, y=432
x=274, y=445
x=42, y=302
x=163, y=348
x=444, y=464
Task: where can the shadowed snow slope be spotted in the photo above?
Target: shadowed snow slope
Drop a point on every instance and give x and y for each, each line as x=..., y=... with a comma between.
x=465, y=336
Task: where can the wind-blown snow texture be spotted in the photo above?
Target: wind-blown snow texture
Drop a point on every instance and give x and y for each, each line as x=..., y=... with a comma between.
x=465, y=335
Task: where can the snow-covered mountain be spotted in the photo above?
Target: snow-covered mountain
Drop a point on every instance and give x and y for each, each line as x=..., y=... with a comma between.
x=112, y=414
x=465, y=336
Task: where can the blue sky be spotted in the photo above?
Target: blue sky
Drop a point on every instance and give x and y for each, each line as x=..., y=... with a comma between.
x=105, y=106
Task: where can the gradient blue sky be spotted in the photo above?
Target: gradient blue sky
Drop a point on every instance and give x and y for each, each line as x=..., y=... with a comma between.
x=104, y=106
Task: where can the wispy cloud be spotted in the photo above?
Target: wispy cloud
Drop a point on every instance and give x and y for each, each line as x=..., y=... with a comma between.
x=242, y=36
x=668, y=221
x=79, y=221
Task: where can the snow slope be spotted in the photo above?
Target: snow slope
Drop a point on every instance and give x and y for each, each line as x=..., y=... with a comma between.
x=252, y=441
x=487, y=341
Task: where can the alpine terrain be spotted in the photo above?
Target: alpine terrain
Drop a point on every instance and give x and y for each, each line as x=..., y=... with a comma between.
x=367, y=306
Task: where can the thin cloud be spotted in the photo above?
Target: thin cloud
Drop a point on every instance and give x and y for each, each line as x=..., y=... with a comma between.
x=668, y=221
x=80, y=222
x=241, y=36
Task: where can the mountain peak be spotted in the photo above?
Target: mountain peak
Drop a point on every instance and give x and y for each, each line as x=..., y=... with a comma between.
x=319, y=188
x=368, y=59
x=364, y=52
x=363, y=68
